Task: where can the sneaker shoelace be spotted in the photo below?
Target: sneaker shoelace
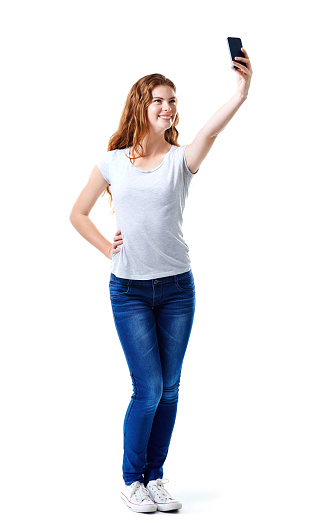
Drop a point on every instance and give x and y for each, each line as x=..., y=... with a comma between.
x=140, y=492
x=159, y=488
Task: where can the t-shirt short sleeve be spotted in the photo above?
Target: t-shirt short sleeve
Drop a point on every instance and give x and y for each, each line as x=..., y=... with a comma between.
x=185, y=167
x=103, y=165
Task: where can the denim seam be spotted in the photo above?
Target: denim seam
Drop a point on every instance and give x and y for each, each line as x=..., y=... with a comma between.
x=132, y=402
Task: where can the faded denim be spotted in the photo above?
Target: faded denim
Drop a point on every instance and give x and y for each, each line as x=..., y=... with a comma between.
x=154, y=320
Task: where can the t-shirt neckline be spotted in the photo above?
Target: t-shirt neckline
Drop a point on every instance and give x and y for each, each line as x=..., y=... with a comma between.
x=149, y=170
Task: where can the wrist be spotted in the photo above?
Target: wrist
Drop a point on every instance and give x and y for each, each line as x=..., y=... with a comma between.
x=108, y=252
x=243, y=96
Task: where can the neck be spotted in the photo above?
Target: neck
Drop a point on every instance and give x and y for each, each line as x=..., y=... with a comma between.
x=154, y=145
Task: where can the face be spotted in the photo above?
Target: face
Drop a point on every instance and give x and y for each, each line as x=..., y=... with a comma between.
x=163, y=108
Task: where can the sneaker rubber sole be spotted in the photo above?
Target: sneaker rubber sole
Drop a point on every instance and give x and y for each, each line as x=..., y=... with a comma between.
x=165, y=507
x=138, y=508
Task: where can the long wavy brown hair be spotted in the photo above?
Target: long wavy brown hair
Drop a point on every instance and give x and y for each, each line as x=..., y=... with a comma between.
x=133, y=126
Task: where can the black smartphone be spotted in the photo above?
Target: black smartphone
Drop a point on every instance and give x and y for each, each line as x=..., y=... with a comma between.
x=234, y=46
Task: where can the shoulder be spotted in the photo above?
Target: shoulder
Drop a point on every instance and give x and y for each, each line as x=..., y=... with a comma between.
x=114, y=153
x=108, y=157
x=180, y=154
x=178, y=151
x=107, y=162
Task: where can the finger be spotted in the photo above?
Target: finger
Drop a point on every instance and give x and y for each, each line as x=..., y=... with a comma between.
x=242, y=68
x=247, y=60
x=238, y=64
x=241, y=58
x=247, y=57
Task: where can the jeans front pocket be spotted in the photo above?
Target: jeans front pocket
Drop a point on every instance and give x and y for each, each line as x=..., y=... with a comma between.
x=185, y=283
x=118, y=288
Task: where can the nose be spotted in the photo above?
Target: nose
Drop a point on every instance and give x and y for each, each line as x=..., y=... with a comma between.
x=166, y=106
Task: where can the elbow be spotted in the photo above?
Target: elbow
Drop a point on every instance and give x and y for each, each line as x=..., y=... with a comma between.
x=71, y=217
x=75, y=216
x=210, y=133
x=216, y=133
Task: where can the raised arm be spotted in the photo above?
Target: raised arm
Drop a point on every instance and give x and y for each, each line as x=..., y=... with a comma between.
x=196, y=152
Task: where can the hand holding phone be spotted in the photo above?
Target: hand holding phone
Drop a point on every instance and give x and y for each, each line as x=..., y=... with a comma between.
x=244, y=71
x=235, y=46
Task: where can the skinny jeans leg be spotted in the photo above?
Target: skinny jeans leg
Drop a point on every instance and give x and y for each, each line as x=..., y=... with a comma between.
x=153, y=319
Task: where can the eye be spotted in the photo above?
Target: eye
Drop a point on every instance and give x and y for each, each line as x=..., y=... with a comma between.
x=157, y=100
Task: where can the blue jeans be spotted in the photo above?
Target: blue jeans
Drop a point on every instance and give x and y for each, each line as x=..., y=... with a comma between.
x=153, y=319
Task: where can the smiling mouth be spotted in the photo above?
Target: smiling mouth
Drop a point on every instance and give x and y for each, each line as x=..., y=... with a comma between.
x=165, y=117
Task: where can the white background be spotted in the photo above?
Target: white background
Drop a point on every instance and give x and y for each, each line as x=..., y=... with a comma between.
x=250, y=437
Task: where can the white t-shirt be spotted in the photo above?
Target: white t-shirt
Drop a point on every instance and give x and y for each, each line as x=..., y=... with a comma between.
x=149, y=212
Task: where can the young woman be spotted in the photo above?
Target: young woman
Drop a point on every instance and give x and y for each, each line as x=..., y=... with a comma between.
x=152, y=288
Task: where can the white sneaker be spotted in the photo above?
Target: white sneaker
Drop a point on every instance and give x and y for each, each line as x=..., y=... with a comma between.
x=137, y=498
x=161, y=497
